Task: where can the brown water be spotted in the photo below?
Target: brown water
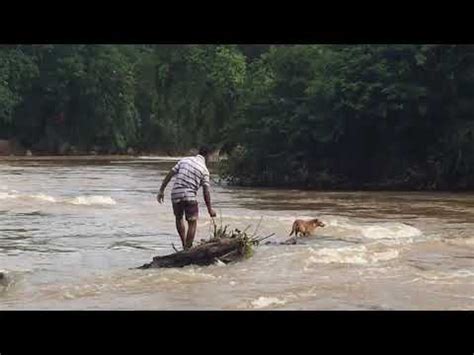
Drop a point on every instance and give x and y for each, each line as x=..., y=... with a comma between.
x=70, y=231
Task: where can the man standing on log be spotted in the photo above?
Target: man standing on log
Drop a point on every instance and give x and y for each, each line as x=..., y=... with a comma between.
x=190, y=174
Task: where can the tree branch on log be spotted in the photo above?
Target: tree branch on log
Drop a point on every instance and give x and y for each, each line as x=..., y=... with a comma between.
x=224, y=246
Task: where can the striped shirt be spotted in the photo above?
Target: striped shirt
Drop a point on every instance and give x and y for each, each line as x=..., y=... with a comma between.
x=190, y=174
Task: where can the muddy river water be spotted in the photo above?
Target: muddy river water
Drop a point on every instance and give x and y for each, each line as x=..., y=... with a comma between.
x=71, y=230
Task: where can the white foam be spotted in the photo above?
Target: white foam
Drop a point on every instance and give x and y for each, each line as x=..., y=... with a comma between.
x=188, y=275
x=93, y=200
x=79, y=200
x=6, y=195
x=462, y=241
x=263, y=302
x=219, y=263
x=42, y=197
x=349, y=255
x=387, y=230
x=160, y=158
x=463, y=273
x=255, y=217
x=390, y=231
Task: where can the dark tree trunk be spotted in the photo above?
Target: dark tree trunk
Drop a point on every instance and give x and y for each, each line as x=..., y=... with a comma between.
x=223, y=249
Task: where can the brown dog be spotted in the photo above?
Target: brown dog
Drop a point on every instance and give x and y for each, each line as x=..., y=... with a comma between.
x=305, y=228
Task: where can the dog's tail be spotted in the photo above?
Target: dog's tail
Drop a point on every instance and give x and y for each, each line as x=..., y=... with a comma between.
x=293, y=228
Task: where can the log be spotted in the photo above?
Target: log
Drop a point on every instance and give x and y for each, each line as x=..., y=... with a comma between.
x=225, y=249
x=3, y=279
x=291, y=241
x=224, y=246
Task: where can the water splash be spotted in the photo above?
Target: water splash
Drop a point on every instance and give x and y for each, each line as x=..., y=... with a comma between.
x=88, y=200
x=92, y=200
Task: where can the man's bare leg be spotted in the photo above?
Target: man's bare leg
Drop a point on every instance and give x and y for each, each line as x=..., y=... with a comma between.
x=191, y=233
x=180, y=226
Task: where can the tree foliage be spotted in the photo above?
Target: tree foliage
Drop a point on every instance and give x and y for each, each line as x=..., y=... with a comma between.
x=300, y=115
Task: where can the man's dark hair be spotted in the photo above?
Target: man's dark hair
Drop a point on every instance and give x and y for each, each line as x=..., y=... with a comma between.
x=204, y=150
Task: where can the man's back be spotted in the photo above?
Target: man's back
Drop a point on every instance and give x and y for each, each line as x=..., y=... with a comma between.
x=191, y=174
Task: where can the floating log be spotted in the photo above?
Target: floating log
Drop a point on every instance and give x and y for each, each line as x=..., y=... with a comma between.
x=224, y=247
x=290, y=241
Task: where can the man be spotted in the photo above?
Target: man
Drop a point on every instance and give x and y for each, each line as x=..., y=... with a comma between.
x=190, y=174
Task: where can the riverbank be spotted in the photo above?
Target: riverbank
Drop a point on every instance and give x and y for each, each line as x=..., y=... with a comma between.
x=83, y=157
x=106, y=157
x=369, y=187
x=401, y=184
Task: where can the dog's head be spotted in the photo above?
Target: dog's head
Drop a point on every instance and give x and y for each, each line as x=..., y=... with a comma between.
x=317, y=223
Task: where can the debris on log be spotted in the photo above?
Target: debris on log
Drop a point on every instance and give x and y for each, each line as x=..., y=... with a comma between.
x=3, y=279
x=226, y=247
x=291, y=241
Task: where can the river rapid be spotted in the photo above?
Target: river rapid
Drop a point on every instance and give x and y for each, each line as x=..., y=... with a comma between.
x=71, y=230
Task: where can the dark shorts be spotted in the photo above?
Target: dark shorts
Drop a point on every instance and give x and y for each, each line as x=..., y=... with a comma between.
x=189, y=208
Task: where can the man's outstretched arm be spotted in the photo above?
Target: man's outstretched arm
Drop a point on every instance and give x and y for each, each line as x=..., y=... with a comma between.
x=207, y=199
x=161, y=194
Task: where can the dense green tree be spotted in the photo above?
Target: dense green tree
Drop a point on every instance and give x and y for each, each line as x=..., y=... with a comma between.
x=291, y=115
x=357, y=115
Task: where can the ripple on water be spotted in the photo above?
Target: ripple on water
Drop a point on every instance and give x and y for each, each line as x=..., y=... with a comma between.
x=350, y=255
x=264, y=302
x=86, y=200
